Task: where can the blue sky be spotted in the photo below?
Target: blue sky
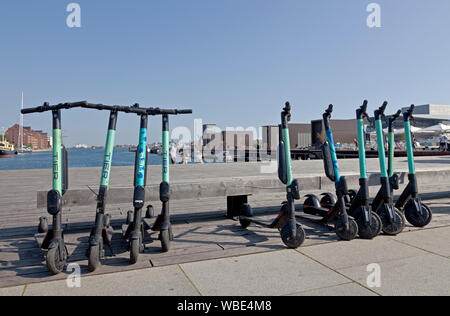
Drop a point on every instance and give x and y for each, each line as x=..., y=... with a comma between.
x=235, y=62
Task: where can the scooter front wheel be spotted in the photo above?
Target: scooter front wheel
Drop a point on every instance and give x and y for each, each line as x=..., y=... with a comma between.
x=94, y=257
x=55, y=263
x=166, y=237
x=370, y=230
x=394, y=227
x=418, y=220
x=345, y=234
x=286, y=236
x=135, y=249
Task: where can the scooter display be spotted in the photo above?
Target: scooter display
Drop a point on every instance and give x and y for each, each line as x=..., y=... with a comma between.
x=417, y=213
x=53, y=241
x=134, y=229
x=292, y=233
x=345, y=226
x=383, y=204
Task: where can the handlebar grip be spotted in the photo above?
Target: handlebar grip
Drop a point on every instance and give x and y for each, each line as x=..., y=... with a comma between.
x=29, y=111
x=364, y=107
x=185, y=112
x=287, y=107
x=330, y=109
x=382, y=109
x=396, y=115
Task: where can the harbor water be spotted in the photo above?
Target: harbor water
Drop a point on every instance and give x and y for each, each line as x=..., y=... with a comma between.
x=78, y=158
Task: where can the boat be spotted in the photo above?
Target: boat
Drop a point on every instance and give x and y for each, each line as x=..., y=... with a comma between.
x=24, y=150
x=6, y=149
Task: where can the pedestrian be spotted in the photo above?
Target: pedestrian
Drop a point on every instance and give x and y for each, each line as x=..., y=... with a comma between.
x=443, y=142
x=173, y=154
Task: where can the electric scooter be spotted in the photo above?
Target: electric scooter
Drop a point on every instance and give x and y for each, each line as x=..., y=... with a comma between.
x=134, y=228
x=417, y=213
x=383, y=204
x=292, y=233
x=162, y=223
x=53, y=240
x=345, y=226
x=101, y=233
x=369, y=223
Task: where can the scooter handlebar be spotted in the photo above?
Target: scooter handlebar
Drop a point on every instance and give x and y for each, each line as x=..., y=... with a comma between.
x=286, y=114
x=396, y=115
x=327, y=114
x=47, y=107
x=382, y=109
x=362, y=111
x=158, y=111
x=408, y=115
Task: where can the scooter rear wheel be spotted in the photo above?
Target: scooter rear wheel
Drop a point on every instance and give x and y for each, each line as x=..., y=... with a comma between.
x=326, y=201
x=55, y=263
x=245, y=212
x=372, y=230
x=415, y=219
x=352, y=194
x=129, y=217
x=397, y=225
x=292, y=243
x=43, y=225
x=344, y=234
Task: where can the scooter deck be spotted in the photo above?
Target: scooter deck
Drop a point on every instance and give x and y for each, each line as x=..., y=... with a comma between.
x=314, y=218
x=271, y=225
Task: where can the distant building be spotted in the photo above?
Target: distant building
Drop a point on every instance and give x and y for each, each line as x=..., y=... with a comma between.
x=429, y=114
x=35, y=139
x=239, y=140
x=208, y=133
x=270, y=137
x=344, y=131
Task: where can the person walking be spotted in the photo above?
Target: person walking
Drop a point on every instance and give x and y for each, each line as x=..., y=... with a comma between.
x=173, y=154
x=443, y=142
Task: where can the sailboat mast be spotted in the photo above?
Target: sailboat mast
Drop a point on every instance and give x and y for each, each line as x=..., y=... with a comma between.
x=21, y=126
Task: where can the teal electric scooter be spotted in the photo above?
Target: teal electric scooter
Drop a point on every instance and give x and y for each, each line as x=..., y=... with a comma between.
x=53, y=240
x=135, y=228
x=417, y=213
x=345, y=225
x=292, y=232
x=101, y=233
x=369, y=223
x=162, y=223
x=393, y=220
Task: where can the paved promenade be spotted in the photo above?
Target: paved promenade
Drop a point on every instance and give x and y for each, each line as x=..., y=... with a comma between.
x=414, y=263
x=210, y=250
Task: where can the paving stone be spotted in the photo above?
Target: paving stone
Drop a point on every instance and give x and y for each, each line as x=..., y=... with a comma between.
x=349, y=289
x=275, y=273
x=425, y=275
x=166, y=281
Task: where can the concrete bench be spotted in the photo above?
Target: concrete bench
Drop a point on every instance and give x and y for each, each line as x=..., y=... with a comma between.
x=236, y=190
